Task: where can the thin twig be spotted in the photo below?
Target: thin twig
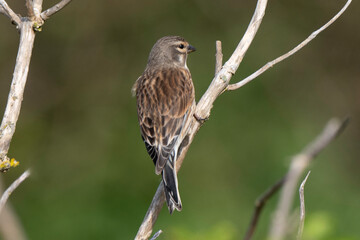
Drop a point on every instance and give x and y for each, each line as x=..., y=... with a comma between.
x=10, y=224
x=222, y=79
x=12, y=187
x=298, y=164
x=302, y=207
x=331, y=131
x=218, y=57
x=288, y=54
x=259, y=204
x=7, y=11
x=54, y=9
x=156, y=235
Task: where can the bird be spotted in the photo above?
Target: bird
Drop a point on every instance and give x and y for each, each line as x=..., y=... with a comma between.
x=165, y=99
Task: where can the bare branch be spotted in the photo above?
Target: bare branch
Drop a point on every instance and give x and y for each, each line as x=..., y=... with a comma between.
x=222, y=79
x=203, y=108
x=12, y=187
x=259, y=204
x=298, y=164
x=7, y=11
x=54, y=9
x=218, y=57
x=331, y=131
x=219, y=83
x=27, y=27
x=152, y=214
x=302, y=207
x=288, y=54
x=12, y=111
x=312, y=150
x=10, y=224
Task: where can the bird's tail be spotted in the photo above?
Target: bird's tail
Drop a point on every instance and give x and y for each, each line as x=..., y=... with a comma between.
x=171, y=188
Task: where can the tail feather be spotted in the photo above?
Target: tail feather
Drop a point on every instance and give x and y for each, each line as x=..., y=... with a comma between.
x=171, y=188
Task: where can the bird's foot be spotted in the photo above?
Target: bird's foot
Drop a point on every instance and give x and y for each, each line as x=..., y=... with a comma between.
x=201, y=120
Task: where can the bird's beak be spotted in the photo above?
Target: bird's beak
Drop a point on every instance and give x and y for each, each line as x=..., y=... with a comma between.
x=191, y=49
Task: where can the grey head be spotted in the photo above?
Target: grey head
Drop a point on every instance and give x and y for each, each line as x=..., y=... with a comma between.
x=169, y=51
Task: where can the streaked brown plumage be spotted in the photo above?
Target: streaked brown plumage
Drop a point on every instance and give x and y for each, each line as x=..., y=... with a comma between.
x=165, y=101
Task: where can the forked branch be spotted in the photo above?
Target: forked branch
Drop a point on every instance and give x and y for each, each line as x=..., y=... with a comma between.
x=299, y=163
x=290, y=181
x=259, y=205
x=288, y=54
x=47, y=14
x=203, y=108
x=219, y=84
x=7, y=11
x=27, y=26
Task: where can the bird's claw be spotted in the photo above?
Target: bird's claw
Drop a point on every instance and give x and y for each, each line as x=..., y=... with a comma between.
x=201, y=120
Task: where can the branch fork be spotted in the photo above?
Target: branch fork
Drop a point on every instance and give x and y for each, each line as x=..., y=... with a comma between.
x=34, y=11
x=219, y=84
x=27, y=27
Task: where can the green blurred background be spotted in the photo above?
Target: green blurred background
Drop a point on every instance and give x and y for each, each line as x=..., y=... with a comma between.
x=78, y=132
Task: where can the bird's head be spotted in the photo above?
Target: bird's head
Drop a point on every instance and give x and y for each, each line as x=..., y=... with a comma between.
x=170, y=51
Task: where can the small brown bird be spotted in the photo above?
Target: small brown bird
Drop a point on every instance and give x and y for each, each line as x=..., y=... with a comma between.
x=165, y=103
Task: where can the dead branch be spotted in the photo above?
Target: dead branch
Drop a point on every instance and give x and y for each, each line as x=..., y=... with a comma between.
x=47, y=14
x=302, y=207
x=12, y=111
x=330, y=132
x=7, y=11
x=10, y=224
x=288, y=54
x=218, y=85
x=12, y=187
x=298, y=164
x=259, y=204
x=27, y=26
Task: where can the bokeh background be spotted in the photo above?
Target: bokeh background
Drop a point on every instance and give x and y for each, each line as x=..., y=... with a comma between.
x=91, y=176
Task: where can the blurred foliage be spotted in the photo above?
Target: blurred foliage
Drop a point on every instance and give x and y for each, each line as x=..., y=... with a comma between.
x=91, y=176
x=319, y=226
x=222, y=230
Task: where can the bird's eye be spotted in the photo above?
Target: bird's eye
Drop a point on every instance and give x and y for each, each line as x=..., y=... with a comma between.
x=181, y=46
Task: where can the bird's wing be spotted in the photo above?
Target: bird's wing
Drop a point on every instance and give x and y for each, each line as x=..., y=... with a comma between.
x=164, y=100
